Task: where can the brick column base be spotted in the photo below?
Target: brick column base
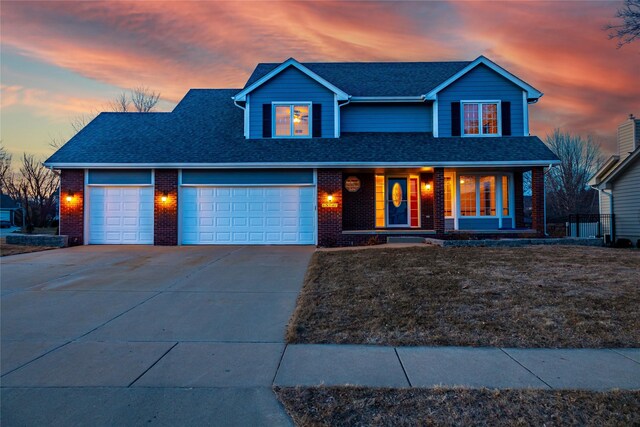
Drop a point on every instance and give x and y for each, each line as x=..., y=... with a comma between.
x=72, y=212
x=438, y=200
x=519, y=199
x=329, y=218
x=165, y=219
x=537, y=199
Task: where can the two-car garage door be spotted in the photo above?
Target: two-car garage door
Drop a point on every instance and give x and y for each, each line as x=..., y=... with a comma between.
x=248, y=215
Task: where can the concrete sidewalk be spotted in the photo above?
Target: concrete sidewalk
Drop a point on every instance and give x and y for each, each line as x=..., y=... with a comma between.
x=377, y=366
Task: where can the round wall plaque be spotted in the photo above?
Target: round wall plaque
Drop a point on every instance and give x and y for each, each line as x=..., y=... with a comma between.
x=352, y=184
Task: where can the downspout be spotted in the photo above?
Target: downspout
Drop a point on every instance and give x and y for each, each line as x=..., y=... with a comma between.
x=244, y=116
x=612, y=225
x=340, y=117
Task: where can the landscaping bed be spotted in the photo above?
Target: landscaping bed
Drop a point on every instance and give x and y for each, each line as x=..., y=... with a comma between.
x=358, y=406
x=542, y=296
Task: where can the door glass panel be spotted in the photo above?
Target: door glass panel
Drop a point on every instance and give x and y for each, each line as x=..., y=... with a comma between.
x=397, y=206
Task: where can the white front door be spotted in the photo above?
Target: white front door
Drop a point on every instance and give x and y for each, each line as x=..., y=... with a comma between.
x=120, y=215
x=248, y=215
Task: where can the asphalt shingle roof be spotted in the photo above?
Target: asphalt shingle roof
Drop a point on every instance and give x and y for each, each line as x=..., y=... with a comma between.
x=377, y=78
x=206, y=127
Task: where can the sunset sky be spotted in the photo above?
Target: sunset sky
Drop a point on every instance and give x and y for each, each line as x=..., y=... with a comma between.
x=63, y=59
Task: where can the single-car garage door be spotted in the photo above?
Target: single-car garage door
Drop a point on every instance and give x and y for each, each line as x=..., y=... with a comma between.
x=248, y=215
x=120, y=207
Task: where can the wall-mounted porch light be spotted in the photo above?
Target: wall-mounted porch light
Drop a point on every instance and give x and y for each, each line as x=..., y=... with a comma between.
x=427, y=186
x=164, y=197
x=69, y=196
x=329, y=198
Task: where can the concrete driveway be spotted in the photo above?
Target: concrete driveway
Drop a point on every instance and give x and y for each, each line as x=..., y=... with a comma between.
x=107, y=335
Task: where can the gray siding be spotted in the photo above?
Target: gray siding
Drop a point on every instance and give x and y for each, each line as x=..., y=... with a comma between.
x=389, y=117
x=627, y=135
x=247, y=177
x=605, y=203
x=291, y=85
x=479, y=84
x=478, y=223
x=626, y=203
x=506, y=223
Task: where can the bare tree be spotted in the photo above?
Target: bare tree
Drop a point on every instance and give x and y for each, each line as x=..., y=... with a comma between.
x=5, y=167
x=567, y=189
x=629, y=29
x=144, y=100
x=120, y=104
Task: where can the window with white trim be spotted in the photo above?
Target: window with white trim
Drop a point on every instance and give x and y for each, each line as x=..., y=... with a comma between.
x=484, y=195
x=292, y=120
x=480, y=118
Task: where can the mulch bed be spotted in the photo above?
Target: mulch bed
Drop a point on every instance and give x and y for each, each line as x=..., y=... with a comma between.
x=358, y=406
x=539, y=296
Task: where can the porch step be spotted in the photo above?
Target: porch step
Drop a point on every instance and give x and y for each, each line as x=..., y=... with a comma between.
x=405, y=239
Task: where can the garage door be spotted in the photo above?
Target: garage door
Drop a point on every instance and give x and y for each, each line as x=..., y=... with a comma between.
x=121, y=215
x=248, y=215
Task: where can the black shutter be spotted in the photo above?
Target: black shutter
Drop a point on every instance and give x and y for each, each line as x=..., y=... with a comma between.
x=266, y=120
x=317, y=120
x=455, y=119
x=506, y=118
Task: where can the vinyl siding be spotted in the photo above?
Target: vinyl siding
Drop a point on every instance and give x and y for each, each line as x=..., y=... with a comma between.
x=386, y=117
x=478, y=223
x=479, y=84
x=605, y=204
x=627, y=134
x=626, y=203
x=291, y=85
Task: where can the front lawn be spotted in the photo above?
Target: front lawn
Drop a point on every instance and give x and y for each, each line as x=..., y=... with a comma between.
x=538, y=296
x=7, y=249
x=334, y=406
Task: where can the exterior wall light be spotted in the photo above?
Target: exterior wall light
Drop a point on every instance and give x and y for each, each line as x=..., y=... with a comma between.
x=427, y=186
x=70, y=196
x=329, y=198
x=164, y=197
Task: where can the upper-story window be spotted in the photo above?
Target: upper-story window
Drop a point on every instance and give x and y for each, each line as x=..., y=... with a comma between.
x=480, y=118
x=292, y=120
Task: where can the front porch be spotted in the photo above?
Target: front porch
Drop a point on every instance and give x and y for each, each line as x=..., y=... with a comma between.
x=356, y=207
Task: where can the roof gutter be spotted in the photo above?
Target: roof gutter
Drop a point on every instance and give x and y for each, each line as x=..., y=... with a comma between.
x=419, y=98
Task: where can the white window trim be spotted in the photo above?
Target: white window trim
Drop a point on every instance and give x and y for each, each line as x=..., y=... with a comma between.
x=480, y=102
x=386, y=202
x=291, y=104
x=498, y=176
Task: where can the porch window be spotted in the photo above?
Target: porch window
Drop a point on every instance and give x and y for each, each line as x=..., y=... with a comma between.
x=292, y=120
x=488, y=196
x=505, y=195
x=480, y=118
x=448, y=195
x=467, y=195
x=380, y=217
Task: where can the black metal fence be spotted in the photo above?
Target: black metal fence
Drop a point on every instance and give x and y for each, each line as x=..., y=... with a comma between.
x=590, y=225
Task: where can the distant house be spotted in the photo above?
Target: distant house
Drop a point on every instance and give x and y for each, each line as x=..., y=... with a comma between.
x=8, y=209
x=317, y=154
x=618, y=183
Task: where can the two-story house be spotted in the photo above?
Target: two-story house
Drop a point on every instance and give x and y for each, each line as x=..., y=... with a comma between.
x=314, y=153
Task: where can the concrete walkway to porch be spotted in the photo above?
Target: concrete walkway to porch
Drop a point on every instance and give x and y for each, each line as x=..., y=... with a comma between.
x=378, y=366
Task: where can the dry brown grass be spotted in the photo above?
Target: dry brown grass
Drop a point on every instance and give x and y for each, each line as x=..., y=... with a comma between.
x=539, y=296
x=357, y=406
x=6, y=249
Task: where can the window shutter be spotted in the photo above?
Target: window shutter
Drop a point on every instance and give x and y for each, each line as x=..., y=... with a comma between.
x=506, y=118
x=455, y=119
x=317, y=120
x=266, y=120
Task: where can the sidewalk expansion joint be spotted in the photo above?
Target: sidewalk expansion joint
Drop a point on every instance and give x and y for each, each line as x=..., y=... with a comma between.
x=152, y=365
x=527, y=369
x=404, y=371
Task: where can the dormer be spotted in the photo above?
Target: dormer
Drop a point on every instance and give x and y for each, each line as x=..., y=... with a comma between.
x=290, y=101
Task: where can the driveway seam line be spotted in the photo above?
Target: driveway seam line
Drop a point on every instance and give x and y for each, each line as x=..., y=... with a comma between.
x=153, y=364
x=404, y=371
x=273, y=381
x=624, y=355
x=34, y=359
x=527, y=369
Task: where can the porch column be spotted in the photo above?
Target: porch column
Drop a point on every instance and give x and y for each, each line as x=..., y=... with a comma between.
x=329, y=212
x=519, y=199
x=72, y=210
x=438, y=200
x=537, y=199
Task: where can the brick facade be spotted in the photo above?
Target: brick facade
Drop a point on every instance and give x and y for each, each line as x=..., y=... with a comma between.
x=72, y=212
x=519, y=199
x=438, y=200
x=330, y=218
x=358, y=209
x=165, y=214
x=537, y=200
x=426, y=201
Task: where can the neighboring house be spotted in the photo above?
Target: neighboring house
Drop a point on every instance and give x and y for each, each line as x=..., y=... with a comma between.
x=314, y=153
x=8, y=209
x=618, y=183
